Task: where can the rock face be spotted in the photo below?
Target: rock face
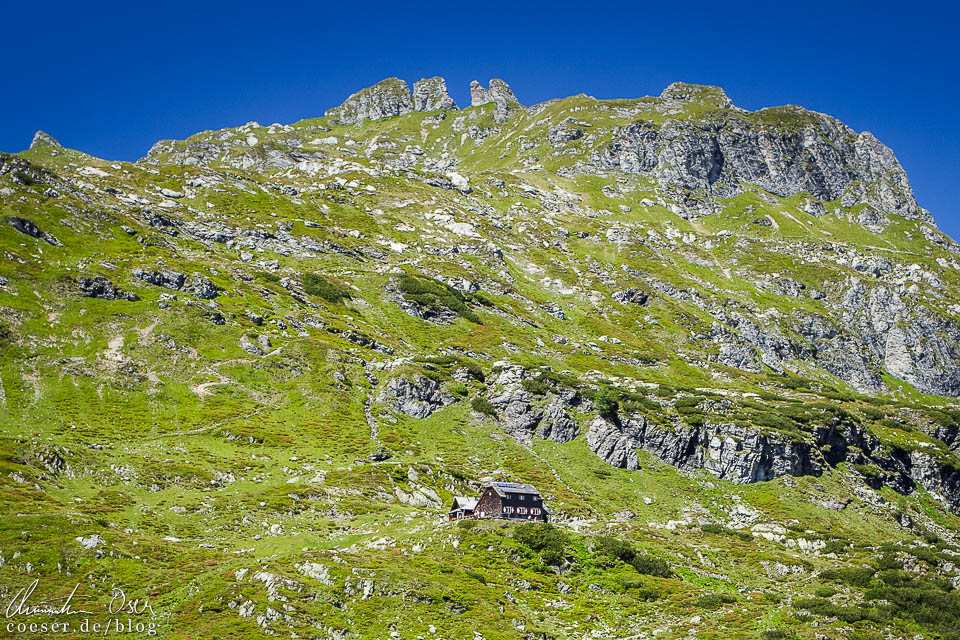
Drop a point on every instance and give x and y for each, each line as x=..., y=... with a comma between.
x=430, y=94
x=744, y=455
x=678, y=93
x=522, y=414
x=784, y=150
x=877, y=331
x=41, y=139
x=390, y=97
x=417, y=398
x=740, y=455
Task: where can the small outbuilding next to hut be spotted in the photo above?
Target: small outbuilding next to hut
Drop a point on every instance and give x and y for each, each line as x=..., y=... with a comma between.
x=511, y=501
x=462, y=508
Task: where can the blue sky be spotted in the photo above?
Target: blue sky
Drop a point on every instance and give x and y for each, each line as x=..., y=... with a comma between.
x=112, y=78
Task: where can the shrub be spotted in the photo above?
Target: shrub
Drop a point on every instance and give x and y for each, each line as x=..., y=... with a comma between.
x=316, y=285
x=687, y=403
x=434, y=294
x=606, y=400
x=835, y=546
x=476, y=575
x=482, y=405
x=856, y=576
x=715, y=600
x=536, y=386
x=267, y=276
x=648, y=594
x=545, y=539
x=651, y=565
x=623, y=551
x=24, y=178
x=459, y=389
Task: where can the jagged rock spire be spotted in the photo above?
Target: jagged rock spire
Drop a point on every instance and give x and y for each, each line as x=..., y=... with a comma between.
x=41, y=139
x=499, y=93
x=430, y=94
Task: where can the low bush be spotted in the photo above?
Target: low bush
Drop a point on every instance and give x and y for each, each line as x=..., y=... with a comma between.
x=715, y=600
x=316, y=285
x=615, y=548
x=482, y=405
x=433, y=294
x=545, y=539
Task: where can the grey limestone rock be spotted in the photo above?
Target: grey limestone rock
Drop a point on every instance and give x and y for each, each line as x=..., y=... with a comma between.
x=499, y=93
x=41, y=139
x=201, y=286
x=784, y=150
x=29, y=227
x=417, y=398
x=390, y=97
x=166, y=278
x=101, y=288
x=430, y=94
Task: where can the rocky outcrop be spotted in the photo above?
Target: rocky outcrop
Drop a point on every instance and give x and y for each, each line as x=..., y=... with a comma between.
x=499, y=93
x=166, y=278
x=390, y=97
x=522, y=414
x=733, y=453
x=615, y=444
x=784, y=150
x=41, y=139
x=630, y=296
x=29, y=227
x=201, y=286
x=556, y=423
x=430, y=94
x=746, y=454
x=102, y=289
x=876, y=330
x=417, y=398
x=677, y=94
